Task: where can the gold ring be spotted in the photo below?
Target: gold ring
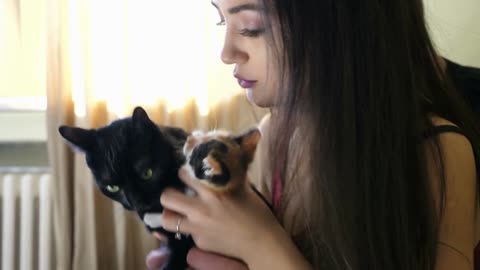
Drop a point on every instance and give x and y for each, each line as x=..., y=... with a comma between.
x=178, y=235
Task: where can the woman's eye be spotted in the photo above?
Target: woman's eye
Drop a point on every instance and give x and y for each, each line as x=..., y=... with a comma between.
x=113, y=188
x=251, y=32
x=147, y=174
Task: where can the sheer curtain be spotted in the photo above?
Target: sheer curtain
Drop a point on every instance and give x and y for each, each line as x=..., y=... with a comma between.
x=103, y=58
x=22, y=48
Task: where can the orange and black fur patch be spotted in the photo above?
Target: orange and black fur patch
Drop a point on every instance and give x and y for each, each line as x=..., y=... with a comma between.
x=220, y=159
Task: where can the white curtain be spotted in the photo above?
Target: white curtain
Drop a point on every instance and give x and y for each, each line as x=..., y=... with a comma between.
x=104, y=58
x=22, y=48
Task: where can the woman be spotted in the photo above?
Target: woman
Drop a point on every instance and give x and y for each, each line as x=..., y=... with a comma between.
x=368, y=155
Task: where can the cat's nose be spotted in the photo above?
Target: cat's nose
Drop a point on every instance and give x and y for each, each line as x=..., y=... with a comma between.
x=126, y=203
x=135, y=203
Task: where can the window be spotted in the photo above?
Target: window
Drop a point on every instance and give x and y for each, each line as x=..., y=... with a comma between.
x=22, y=83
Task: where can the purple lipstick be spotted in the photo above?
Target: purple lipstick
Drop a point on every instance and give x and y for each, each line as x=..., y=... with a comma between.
x=244, y=83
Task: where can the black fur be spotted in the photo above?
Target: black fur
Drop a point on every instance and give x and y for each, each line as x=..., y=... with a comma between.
x=120, y=153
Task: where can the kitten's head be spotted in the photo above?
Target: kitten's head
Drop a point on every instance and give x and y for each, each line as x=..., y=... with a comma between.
x=131, y=160
x=220, y=159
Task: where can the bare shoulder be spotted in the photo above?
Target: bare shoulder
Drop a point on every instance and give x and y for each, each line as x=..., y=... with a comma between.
x=455, y=147
x=457, y=227
x=452, y=143
x=457, y=155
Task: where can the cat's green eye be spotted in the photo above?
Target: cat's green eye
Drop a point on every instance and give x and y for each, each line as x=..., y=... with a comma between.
x=113, y=189
x=147, y=174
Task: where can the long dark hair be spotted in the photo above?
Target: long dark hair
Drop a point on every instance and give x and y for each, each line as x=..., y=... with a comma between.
x=361, y=81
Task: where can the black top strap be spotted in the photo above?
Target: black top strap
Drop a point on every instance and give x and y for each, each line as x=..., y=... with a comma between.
x=436, y=130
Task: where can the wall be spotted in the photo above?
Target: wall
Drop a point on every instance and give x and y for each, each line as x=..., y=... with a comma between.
x=455, y=28
x=23, y=139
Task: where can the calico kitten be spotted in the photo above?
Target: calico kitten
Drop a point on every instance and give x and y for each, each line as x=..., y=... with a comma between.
x=133, y=160
x=219, y=159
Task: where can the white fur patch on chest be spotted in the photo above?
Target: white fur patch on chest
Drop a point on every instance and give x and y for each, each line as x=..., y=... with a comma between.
x=153, y=220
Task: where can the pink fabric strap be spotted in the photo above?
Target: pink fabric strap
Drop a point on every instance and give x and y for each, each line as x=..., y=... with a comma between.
x=277, y=188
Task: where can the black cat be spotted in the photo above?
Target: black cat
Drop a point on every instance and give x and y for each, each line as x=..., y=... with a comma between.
x=133, y=160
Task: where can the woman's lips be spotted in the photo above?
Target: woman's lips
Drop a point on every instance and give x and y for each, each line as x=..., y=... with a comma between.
x=243, y=82
x=246, y=84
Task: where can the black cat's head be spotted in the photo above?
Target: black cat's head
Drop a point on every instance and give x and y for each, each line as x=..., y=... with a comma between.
x=131, y=159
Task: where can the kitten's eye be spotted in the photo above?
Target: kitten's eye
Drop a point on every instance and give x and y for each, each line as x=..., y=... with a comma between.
x=113, y=188
x=147, y=174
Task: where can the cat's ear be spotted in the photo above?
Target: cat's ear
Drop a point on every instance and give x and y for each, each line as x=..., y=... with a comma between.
x=140, y=116
x=80, y=139
x=248, y=142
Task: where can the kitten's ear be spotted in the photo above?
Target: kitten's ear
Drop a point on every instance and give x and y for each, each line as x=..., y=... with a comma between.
x=79, y=138
x=140, y=116
x=248, y=142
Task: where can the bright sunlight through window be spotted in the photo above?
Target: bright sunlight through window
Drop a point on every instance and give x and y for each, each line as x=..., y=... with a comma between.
x=121, y=52
x=146, y=52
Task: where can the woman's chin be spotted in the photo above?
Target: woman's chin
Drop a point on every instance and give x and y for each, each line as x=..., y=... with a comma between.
x=257, y=100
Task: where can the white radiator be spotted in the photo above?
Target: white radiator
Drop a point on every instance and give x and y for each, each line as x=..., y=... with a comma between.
x=26, y=240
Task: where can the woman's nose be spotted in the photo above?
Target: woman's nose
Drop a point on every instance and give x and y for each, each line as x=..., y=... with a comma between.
x=231, y=53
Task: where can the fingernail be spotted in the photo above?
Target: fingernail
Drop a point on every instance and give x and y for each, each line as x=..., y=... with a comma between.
x=157, y=258
x=153, y=220
x=190, y=192
x=160, y=237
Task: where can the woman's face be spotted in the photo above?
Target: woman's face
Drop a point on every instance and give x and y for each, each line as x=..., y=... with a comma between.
x=246, y=47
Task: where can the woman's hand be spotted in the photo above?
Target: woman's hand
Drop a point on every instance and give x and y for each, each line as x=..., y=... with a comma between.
x=201, y=260
x=238, y=226
x=196, y=259
x=157, y=258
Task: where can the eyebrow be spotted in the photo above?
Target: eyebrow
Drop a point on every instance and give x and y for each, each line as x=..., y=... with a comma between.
x=240, y=8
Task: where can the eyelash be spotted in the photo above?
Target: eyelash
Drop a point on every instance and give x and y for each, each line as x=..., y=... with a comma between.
x=251, y=33
x=246, y=32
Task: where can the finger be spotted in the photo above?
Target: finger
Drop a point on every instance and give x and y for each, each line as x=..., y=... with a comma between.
x=161, y=237
x=157, y=258
x=175, y=200
x=201, y=260
x=171, y=220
